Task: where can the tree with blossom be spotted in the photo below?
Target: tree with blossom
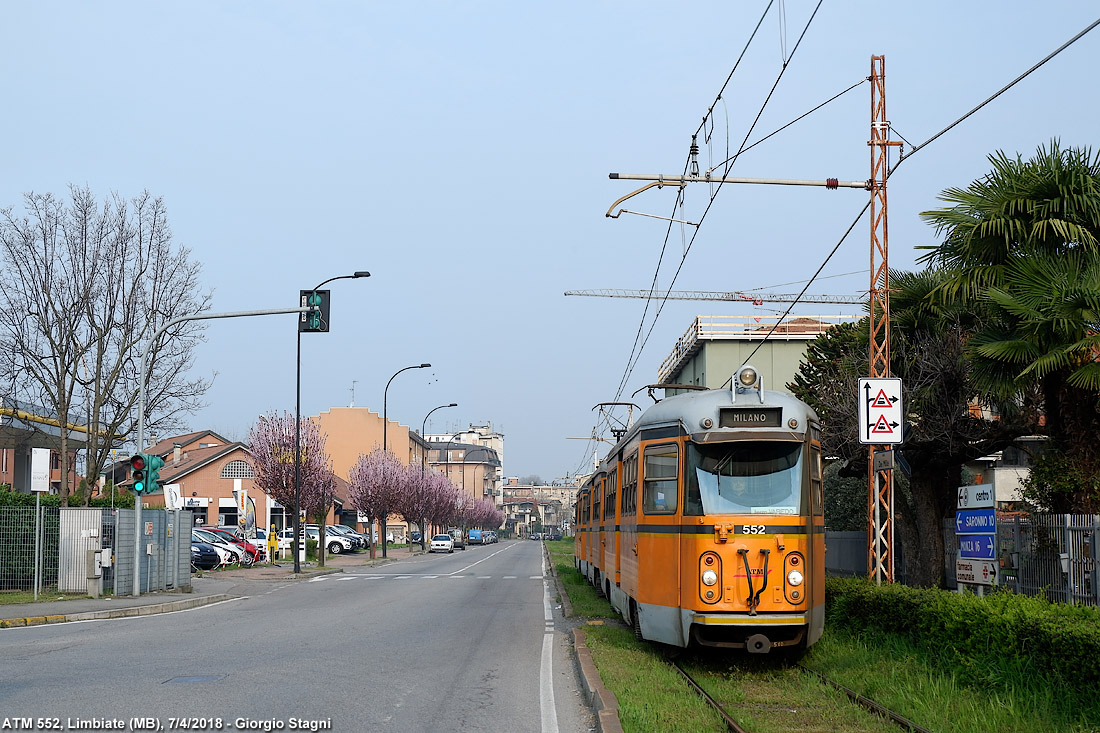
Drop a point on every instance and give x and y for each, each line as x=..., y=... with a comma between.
x=485, y=515
x=376, y=482
x=442, y=499
x=414, y=501
x=271, y=441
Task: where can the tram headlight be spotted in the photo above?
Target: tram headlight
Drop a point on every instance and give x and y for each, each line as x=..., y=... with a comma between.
x=710, y=577
x=747, y=377
x=794, y=578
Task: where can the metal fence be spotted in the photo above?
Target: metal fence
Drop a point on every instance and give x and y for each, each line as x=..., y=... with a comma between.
x=53, y=550
x=1049, y=555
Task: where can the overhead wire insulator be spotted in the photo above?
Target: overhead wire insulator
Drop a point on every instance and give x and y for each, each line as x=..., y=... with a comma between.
x=694, y=152
x=832, y=183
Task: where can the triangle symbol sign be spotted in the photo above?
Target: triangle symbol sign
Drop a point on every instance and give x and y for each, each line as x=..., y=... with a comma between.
x=881, y=400
x=881, y=426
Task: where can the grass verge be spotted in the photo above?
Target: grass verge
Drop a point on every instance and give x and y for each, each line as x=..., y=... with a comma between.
x=913, y=683
x=27, y=596
x=905, y=678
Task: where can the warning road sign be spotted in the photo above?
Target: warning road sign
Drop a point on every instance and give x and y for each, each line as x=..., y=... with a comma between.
x=880, y=411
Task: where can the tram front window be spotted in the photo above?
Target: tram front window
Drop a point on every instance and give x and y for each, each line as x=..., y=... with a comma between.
x=744, y=478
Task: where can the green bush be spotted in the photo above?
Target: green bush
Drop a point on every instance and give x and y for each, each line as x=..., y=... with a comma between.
x=977, y=637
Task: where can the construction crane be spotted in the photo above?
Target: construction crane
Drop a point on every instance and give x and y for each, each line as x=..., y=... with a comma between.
x=735, y=295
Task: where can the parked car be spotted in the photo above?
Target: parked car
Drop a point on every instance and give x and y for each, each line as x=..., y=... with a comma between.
x=414, y=538
x=235, y=536
x=442, y=543
x=230, y=552
x=204, y=556
x=334, y=542
x=459, y=540
x=359, y=540
x=283, y=544
x=490, y=537
x=476, y=537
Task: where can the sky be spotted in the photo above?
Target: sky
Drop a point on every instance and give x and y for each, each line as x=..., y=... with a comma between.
x=460, y=152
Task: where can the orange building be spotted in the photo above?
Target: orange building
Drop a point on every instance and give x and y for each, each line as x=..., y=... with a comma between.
x=352, y=431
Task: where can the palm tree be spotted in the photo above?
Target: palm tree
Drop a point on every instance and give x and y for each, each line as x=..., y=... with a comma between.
x=1022, y=254
x=1048, y=204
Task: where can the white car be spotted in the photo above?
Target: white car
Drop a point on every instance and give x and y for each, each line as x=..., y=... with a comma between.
x=283, y=542
x=336, y=543
x=442, y=543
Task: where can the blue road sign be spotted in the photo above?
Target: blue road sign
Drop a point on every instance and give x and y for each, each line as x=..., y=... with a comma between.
x=977, y=546
x=975, y=521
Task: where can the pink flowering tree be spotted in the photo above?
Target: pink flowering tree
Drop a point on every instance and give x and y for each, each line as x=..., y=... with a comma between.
x=413, y=502
x=442, y=498
x=271, y=442
x=485, y=515
x=376, y=482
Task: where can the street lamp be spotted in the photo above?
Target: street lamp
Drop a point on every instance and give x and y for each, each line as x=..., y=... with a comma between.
x=385, y=430
x=423, y=465
x=298, y=440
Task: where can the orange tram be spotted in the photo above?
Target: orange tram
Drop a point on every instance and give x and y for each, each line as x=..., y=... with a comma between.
x=705, y=524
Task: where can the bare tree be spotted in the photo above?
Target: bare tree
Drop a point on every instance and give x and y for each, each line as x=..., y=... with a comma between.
x=88, y=285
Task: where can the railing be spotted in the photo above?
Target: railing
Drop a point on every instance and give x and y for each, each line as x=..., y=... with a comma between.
x=1048, y=555
x=744, y=328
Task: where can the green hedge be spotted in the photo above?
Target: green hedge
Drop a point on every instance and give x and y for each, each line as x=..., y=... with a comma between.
x=977, y=636
x=122, y=500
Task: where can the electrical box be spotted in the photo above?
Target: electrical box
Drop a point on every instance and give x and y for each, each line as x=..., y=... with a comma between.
x=105, y=558
x=94, y=564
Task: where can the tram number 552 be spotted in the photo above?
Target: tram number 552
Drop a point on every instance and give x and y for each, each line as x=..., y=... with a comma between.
x=752, y=529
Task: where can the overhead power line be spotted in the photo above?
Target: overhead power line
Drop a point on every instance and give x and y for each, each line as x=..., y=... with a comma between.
x=734, y=295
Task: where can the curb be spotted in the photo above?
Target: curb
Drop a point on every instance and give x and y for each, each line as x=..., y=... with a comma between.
x=117, y=612
x=601, y=700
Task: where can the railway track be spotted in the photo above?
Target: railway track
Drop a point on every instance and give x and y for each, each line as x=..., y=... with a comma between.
x=790, y=704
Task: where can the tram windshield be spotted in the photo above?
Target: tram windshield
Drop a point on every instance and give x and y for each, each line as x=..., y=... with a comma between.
x=759, y=477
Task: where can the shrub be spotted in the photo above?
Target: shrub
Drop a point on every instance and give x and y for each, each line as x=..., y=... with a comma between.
x=975, y=635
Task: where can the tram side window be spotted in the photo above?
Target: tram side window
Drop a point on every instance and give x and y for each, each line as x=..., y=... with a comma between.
x=817, y=496
x=609, y=503
x=659, y=479
x=630, y=485
x=597, y=493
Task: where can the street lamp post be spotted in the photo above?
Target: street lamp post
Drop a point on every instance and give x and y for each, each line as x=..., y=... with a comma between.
x=423, y=466
x=385, y=430
x=447, y=454
x=298, y=440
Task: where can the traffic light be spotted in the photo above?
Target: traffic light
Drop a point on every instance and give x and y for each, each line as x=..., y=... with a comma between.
x=137, y=473
x=153, y=464
x=314, y=321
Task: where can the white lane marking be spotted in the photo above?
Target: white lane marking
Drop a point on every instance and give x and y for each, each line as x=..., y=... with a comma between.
x=546, y=674
x=509, y=577
x=482, y=560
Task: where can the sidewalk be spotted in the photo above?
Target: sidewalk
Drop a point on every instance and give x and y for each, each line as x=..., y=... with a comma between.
x=206, y=588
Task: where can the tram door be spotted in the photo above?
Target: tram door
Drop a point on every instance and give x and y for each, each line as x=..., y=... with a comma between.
x=658, y=525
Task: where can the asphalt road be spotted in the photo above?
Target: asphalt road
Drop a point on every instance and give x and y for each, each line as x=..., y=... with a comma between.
x=469, y=641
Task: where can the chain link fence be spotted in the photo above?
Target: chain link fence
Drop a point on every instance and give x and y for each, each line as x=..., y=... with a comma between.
x=50, y=550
